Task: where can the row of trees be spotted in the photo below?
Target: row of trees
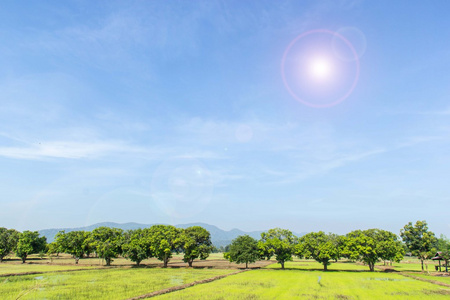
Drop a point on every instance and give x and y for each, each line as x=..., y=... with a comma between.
x=159, y=241
x=22, y=243
x=368, y=246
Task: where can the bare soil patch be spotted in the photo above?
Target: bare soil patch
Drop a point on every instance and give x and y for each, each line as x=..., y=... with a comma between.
x=221, y=264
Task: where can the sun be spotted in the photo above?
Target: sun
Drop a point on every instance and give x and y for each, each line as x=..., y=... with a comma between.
x=320, y=68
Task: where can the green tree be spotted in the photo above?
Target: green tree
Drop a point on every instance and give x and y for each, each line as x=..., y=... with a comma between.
x=53, y=249
x=443, y=245
x=8, y=241
x=28, y=243
x=107, y=242
x=73, y=243
x=389, y=247
x=243, y=249
x=137, y=245
x=419, y=240
x=60, y=242
x=319, y=246
x=164, y=240
x=371, y=245
x=279, y=243
x=196, y=244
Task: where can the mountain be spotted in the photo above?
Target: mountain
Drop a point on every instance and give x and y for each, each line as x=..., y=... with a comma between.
x=219, y=237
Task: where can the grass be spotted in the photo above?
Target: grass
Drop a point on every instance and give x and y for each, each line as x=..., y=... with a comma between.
x=295, y=284
x=443, y=279
x=301, y=279
x=412, y=266
x=313, y=265
x=119, y=283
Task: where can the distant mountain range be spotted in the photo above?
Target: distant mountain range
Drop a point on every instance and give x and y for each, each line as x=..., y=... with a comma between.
x=219, y=237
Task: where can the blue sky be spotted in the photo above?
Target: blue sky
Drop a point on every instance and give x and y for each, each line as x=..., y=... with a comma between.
x=177, y=112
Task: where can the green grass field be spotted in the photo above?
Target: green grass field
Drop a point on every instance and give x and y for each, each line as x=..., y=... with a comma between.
x=116, y=283
x=295, y=284
x=442, y=279
x=344, y=280
x=313, y=265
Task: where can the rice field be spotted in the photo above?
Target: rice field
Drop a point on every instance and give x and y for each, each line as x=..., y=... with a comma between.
x=302, y=279
x=118, y=283
x=301, y=284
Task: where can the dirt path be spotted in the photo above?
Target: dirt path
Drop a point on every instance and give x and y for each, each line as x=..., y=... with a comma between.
x=44, y=272
x=184, y=286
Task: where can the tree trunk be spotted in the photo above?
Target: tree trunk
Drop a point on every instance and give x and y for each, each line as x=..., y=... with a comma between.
x=108, y=261
x=165, y=262
x=421, y=260
x=138, y=263
x=24, y=258
x=325, y=266
x=371, y=267
x=190, y=262
x=282, y=265
x=76, y=260
x=246, y=264
x=1, y=259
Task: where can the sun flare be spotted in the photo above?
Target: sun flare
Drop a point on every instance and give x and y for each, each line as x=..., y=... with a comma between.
x=320, y=68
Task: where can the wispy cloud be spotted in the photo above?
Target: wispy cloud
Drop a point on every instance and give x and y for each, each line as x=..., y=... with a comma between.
x=66, y=149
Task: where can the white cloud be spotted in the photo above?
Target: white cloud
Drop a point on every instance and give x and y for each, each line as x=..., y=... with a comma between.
x=66, y=149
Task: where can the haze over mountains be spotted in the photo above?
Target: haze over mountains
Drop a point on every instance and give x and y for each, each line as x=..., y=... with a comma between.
x=219, y=237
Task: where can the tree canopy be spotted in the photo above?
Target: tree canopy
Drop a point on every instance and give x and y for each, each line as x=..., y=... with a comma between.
x=137, y=245
x=107, y=242
x=243, y=249
x=8, y=241
x=75, y=243
x=196, y=243
x=319, y=246
x=419, y=240
x=371, y=245
x=279, y=243
x=164, y=240
x=28, y=243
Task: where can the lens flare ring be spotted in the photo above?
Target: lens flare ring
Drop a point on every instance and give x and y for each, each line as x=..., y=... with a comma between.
x=355, y=60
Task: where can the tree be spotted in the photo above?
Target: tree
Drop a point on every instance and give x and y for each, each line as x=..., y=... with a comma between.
x=107, y=242
x=319, y=246
x=53, y=249
x=278, y=242
x=419, y=240
x=8, y=241
x=164, y=240
x=443, y=245
x=137, y=245
x=389, y=247
x=28, y=243
x=243, y=249
x=371, y=245
x=196, y=244
x=60, y=243
x=73, y=243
